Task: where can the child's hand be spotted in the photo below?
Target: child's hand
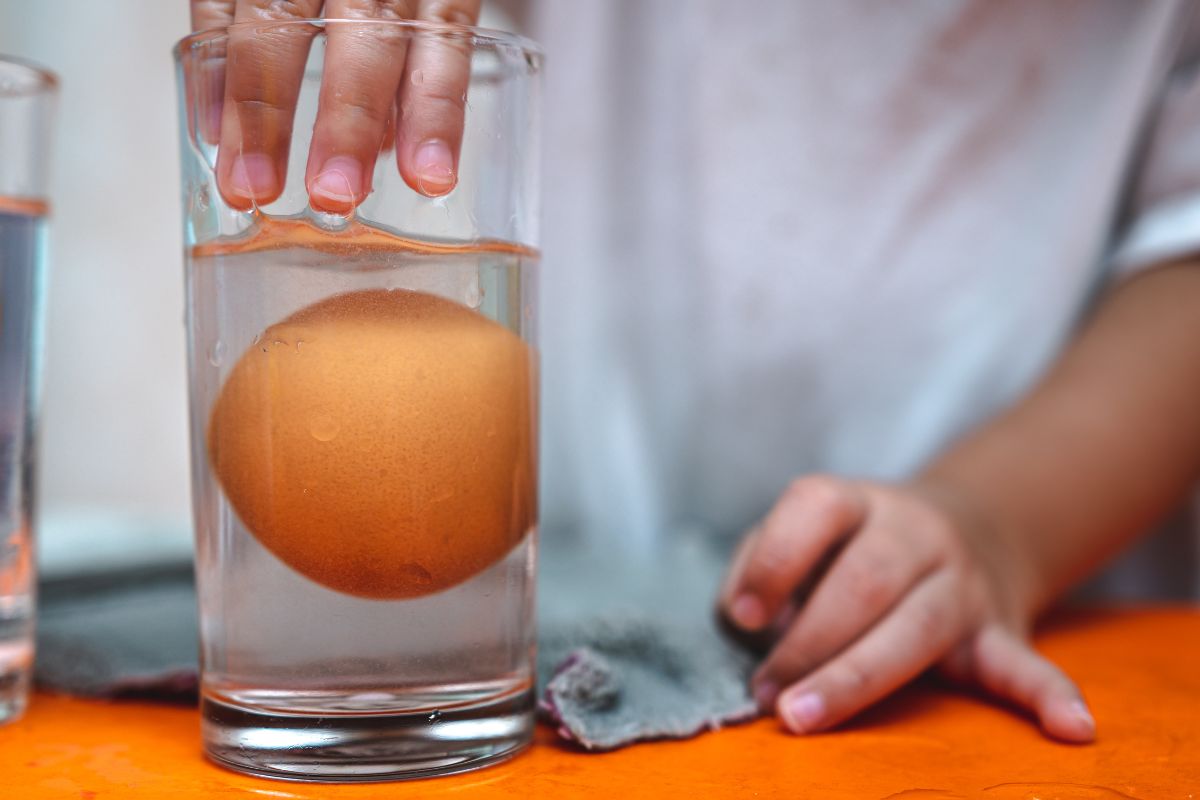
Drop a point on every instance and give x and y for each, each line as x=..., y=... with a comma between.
x=378, y=82
x=920, y=580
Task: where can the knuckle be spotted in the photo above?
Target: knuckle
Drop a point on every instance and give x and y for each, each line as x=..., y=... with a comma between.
x=821, y=491
x=210, y=13
x=283, y=9
x=446, y=11
x=255, y=107
x=379, y=9
x=931, y=624
x=439, y=112
x=853, y=678
x=442, y=97
x=869, y=587
x=787, y=665
x=767, y=568
x=362, y=107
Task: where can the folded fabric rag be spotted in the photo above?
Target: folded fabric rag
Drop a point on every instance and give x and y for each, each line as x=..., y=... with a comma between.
x=627, y=650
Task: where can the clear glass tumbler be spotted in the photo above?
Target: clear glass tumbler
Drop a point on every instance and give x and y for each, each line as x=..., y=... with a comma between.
x=363, y=415
x=27, y=97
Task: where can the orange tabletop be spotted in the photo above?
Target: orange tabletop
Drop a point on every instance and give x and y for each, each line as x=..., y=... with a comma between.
x=1139, y=668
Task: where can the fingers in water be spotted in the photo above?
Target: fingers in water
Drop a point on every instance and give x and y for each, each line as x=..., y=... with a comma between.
x=264, y=70
x=363, y=67
x=432, y=99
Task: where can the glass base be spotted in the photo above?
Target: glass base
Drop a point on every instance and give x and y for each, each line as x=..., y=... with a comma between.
x=353, y=748
x=14, y=693
x=16, y=664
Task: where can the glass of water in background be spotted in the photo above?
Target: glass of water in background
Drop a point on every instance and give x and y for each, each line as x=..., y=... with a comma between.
x=363, y=429
x=27, y=96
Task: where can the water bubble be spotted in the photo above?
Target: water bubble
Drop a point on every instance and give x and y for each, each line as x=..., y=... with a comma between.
x=330, y=221
x=417, y=77
x=416, y=574
x=216, y=353
x=324, y=427
x=473, y=296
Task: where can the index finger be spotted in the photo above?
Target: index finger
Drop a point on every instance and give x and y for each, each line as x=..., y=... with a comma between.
x=264, y=71
x=813, y=515
x=912, y=637
x=363, y=64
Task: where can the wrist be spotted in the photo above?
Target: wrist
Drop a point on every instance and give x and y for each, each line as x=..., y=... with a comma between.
x=999, y=543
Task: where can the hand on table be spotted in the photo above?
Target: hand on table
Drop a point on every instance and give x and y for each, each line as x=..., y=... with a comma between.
x=915, y=579
x=378, y=84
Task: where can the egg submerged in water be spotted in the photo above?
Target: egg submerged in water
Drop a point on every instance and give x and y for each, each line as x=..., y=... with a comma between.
x=381, y=442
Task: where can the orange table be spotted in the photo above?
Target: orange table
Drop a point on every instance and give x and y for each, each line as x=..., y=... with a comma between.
x=1139, y=668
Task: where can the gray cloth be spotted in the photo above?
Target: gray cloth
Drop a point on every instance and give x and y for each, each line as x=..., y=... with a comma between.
x=119, y=634
x=628, y=651
x=618, y=681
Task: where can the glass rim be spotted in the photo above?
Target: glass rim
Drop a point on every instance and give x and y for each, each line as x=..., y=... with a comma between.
x=33, y=79
x=477, y=35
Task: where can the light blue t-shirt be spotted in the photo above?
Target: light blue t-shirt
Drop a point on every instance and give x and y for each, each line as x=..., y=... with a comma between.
x=785, y=237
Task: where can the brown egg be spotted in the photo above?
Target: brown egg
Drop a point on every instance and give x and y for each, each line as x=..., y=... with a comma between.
x=381, y=442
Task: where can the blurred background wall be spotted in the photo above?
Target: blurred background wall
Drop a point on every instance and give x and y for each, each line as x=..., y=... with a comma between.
x=114, y=474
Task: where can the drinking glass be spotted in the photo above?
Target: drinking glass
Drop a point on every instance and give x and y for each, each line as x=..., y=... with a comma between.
x=363, y=428
x=27, y=96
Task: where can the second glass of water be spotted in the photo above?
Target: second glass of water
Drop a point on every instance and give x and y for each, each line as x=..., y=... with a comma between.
x=27, y=96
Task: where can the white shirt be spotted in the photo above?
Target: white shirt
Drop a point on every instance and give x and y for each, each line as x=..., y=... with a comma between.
x=797, y=236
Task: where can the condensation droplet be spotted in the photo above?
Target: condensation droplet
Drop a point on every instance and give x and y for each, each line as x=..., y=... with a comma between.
x=416, y=573
x=324, y=427
x=473, y=296
x=216, y=353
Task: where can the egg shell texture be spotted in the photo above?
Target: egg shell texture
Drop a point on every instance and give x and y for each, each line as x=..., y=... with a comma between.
x=381, y=442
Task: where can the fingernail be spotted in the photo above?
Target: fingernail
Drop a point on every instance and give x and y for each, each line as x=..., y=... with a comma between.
x=765, y=692
x=1081, y=712
x=804, y=712
x=253, y=177
x=434, y=165
x=338, y=186
x=747, y=612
